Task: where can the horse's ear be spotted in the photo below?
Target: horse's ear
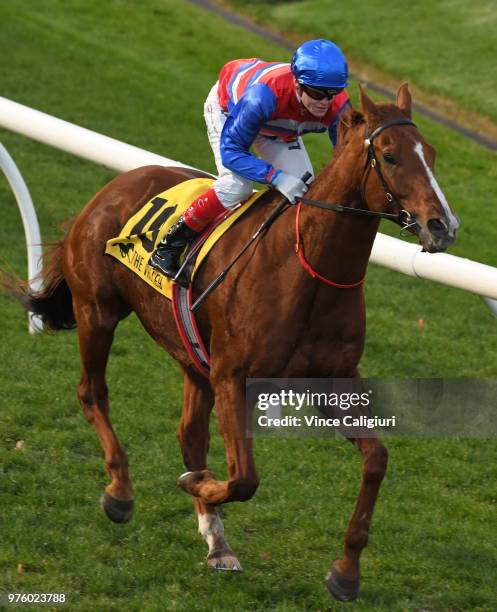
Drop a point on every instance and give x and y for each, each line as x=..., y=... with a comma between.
x=404, y=99
x=368, y=106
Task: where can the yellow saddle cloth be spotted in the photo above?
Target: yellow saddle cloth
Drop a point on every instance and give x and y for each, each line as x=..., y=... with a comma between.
x=146, y=228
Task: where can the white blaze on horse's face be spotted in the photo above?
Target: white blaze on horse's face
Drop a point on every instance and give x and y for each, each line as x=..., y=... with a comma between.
x=452, y=221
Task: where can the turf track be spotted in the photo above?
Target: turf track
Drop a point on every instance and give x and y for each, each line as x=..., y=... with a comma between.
x=286, y=43
x=140, y=74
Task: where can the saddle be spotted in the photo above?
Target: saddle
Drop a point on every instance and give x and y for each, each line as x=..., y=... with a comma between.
x=145, y=229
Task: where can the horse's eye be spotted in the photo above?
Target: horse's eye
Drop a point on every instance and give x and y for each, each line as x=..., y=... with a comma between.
x=389, y=158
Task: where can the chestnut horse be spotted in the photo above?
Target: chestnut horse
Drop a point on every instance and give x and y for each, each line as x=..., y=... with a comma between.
x=270, y=317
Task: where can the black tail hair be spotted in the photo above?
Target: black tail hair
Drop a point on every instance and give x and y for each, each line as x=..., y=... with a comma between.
x=54, y=301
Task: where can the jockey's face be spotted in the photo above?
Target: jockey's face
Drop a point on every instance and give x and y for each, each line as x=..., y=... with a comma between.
x=318, y=108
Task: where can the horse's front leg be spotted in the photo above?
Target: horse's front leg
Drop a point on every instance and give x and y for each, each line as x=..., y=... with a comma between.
x=193, y=436
x=343, y=578
x=232, y=418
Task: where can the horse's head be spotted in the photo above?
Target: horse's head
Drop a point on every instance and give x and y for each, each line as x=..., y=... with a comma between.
x=399, y=171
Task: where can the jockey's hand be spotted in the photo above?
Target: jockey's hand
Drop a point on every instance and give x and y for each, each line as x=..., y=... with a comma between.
x=290, y=186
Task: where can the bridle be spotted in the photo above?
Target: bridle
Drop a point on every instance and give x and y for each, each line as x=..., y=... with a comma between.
x=403, y=217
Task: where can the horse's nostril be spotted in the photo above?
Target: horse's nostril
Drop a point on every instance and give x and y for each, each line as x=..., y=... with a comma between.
x=437, y=227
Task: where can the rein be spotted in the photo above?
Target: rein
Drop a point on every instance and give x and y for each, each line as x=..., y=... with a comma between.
x=349, y=209
x=403, y=217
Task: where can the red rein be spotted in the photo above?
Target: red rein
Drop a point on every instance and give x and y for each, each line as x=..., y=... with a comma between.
x=305, y=263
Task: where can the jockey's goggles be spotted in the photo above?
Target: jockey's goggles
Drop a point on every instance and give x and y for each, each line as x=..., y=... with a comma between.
x=318, y=94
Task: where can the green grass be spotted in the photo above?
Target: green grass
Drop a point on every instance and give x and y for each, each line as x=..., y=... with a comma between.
x=446, y=47
x=140, y=73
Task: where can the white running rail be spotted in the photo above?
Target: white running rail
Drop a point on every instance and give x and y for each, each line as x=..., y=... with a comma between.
x=389, y=252
x=31, y=228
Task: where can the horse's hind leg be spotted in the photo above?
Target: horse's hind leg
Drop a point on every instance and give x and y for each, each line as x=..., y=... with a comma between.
x=193, y=436
x=96, y=325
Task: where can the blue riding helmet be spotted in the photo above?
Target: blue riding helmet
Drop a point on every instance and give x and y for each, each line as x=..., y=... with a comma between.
x=320, y=63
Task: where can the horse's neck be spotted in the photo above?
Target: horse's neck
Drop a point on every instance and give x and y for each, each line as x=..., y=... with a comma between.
x=338, y=245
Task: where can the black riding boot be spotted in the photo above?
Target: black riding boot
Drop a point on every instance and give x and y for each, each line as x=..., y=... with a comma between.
x=166, y=256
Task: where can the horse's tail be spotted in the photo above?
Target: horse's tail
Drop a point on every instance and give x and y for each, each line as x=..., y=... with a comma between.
x=53, y=302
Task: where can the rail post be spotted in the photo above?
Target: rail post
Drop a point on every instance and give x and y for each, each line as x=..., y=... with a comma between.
x=31, y=227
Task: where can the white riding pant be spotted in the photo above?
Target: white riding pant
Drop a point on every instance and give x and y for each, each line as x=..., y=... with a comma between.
x=231, y=188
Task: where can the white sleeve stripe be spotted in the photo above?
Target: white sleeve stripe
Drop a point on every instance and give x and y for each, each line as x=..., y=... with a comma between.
x=268, y=69
x=256, y=80
x=236, y=82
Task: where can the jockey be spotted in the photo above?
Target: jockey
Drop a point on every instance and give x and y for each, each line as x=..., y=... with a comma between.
x=267, y=106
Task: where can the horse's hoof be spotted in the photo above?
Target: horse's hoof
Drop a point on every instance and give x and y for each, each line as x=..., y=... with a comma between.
x=342, y=588
x=224, y=560
x=183, y=479
x=117, y=510
x=189, y=481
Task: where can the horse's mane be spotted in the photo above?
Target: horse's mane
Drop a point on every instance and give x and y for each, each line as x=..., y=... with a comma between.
x=349, y=120
x=352, y=118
